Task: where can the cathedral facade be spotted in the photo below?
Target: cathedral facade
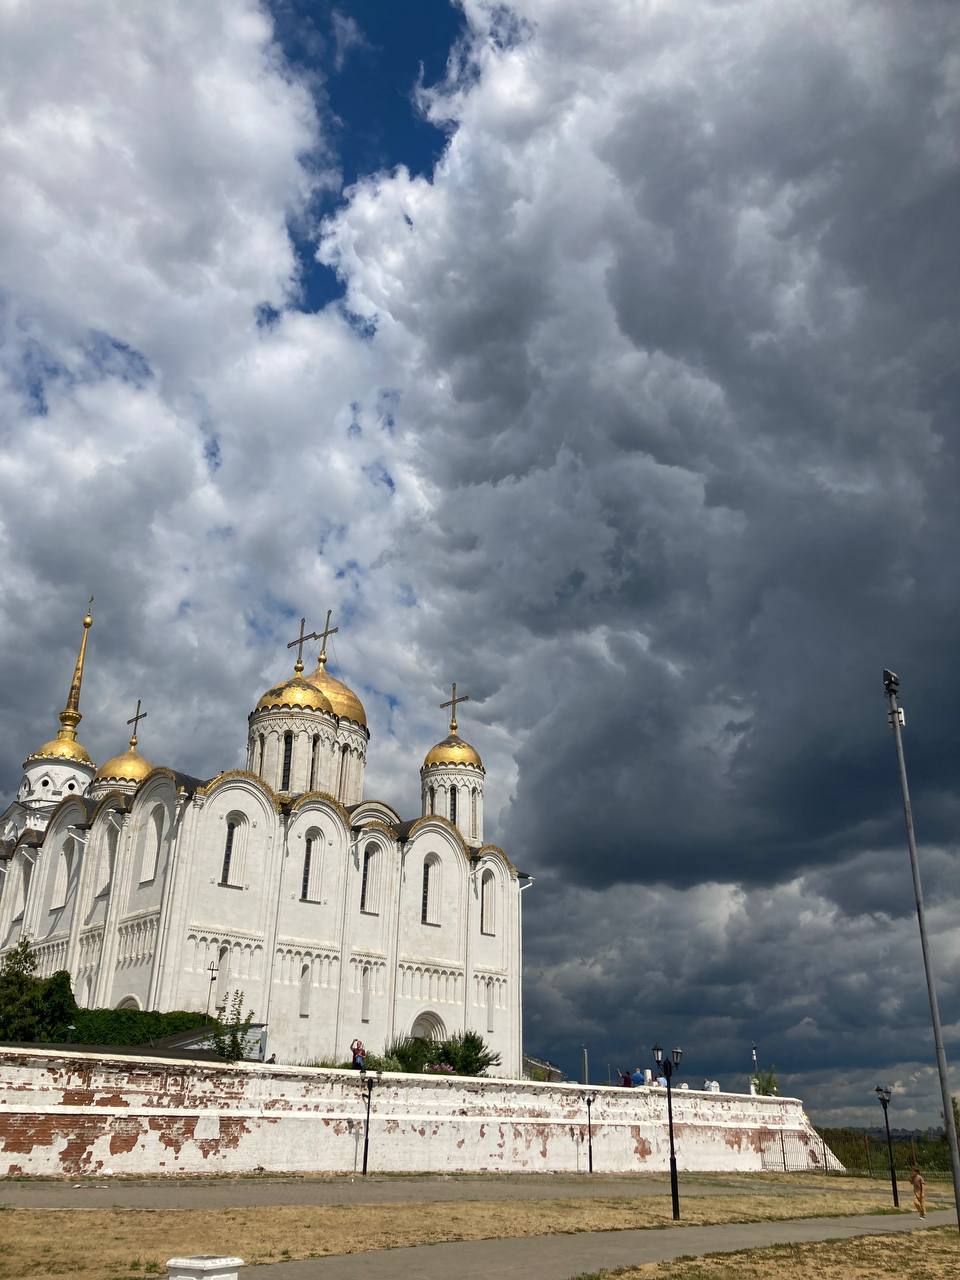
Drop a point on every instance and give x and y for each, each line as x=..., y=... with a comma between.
x=334, y=916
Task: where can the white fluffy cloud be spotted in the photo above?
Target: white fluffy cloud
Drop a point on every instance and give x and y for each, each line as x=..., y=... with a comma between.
x=636, y=422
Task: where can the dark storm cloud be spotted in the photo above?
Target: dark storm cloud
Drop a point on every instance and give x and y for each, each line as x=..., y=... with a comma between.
x=668, y=341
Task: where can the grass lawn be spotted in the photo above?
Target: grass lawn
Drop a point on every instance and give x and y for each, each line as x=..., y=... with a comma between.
x=102, y=1244
x=932, y=1254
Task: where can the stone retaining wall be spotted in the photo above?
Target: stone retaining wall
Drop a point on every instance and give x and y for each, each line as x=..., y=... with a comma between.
x=69, y=1114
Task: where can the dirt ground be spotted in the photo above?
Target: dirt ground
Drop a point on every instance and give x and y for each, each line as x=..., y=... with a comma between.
x=920, y=1255
x=125, y=1244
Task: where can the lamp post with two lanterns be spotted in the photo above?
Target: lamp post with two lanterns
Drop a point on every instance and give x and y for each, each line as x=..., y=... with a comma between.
x=665, y=1066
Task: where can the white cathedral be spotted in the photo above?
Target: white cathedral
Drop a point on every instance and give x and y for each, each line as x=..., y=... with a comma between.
x=335, y=917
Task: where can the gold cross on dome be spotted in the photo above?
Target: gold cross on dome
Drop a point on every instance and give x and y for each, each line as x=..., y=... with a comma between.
x=135, y=721
x=324, y=636
x=298, y=644
x=454, y=700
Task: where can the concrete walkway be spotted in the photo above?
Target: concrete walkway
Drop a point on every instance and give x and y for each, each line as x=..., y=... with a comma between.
x=564, y=1256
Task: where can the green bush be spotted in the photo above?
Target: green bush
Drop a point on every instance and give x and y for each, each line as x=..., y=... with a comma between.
x=131, y=1026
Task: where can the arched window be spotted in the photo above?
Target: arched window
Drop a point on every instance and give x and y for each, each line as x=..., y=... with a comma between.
x=342, y=781
x=474, y=812
x=312, y=867
x=433, y=799
x=370, y=880
x=490, y=1000
x=61, y=882
x=223, y=976
x=488, y=918
x=261, y=744
x=23, y=888
x=365, y=994
x=231, y=870
x=430, y=892
x=314, y=761
x=305, y=991
x=152, y=840
x=108, y=857
x=287, y=761
x=453, y=804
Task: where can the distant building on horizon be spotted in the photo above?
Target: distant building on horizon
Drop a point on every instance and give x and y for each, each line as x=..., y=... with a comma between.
x=334, y=916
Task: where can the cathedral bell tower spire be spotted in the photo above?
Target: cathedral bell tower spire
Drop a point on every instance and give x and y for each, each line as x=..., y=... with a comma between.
x=70, y=716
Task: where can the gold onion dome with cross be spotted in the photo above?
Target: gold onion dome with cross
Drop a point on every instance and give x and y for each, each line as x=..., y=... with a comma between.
x=129, y=766
x=453, y=750
x=344, y=701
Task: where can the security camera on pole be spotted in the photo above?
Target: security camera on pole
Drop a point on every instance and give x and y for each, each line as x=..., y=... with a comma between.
x=891, y=687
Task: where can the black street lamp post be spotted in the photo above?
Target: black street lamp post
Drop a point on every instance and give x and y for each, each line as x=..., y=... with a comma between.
x=589, y=1100
x=367, y=1080
x=884, y=1095
x=665, y=1065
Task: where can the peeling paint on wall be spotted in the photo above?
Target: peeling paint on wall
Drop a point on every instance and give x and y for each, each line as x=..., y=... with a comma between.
x=70, y=1114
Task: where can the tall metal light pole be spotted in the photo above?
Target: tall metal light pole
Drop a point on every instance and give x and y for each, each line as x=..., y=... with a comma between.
x=884, y=1095
x=891, y=687
x=666, y=1066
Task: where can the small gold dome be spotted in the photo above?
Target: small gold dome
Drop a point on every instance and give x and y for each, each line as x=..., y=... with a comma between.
x=129, y=766
x=296, y=693
x=344, y=701
x=452, y=750
x=61, y=749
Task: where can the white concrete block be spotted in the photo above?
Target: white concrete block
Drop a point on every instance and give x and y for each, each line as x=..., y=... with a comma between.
x=205, y=1266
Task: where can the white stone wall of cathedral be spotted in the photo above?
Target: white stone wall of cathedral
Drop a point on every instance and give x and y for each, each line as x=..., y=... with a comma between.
x=335, y=764
x=468, y=782
x=144, y=910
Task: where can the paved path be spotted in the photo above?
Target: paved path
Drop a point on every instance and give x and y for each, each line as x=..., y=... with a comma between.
x=250, y=1192
x=564, y=1256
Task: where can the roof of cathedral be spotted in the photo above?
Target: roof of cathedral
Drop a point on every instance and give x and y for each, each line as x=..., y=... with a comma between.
x=452, y=750
x=129, y=766
x=65, y=745
x=296, y=693
x=343, y=700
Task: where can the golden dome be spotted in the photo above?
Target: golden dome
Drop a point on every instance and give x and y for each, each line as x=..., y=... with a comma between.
x=344, y=701
x=61, y=749
x=296, y=693
x=129, y=766
x=452, y=750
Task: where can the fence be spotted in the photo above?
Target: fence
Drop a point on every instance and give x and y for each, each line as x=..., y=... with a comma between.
x=866, y=1154
x=799, y=1152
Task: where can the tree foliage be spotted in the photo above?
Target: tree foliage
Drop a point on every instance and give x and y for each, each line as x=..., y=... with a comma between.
x=766, y=1082
x=232, y=1030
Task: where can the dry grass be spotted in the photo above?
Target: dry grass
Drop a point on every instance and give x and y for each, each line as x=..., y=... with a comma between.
x=919, y=1255
x=97, y=1244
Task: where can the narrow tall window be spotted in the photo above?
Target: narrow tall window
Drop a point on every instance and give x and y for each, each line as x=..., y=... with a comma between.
x=307, y=857
x=314, y=761
x=433, y=799
x=342, y=782
x=474, y=807
x=368, y=881
x=305, y=991
x=487, y=916
x=228, y=853
x=430, y=891
x=365, y=994
x=287, y=760
x=262, y=744
x=62, y=880
x=453, y=804
x=490, y=1001
x=152, y=841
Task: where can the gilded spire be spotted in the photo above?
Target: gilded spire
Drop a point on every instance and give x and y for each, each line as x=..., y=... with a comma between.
x=70, y=716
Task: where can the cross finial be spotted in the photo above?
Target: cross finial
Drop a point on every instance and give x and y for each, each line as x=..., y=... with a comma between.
x=298, y=644
x=452, y=704
x=135, y=721
x=323, y=637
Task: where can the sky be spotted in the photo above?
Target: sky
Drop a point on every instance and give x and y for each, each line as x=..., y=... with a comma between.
x=600, y=355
